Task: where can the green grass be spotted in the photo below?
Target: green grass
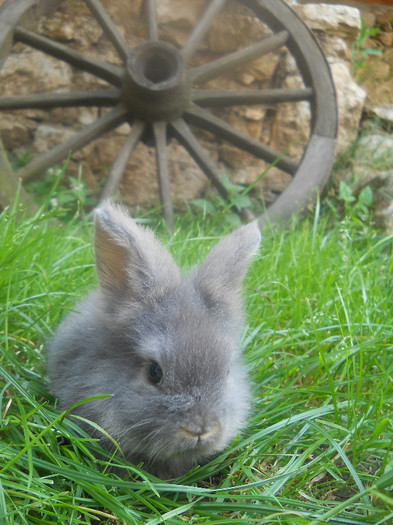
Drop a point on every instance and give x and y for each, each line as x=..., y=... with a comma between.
x=319, y=347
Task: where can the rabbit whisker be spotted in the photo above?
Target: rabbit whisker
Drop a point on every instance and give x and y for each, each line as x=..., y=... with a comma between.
x=135, y=426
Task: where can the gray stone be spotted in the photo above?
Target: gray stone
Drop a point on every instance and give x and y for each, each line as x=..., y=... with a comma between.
x=383, y=112
x=339, y=19
x=350, y=100
x=376, y=149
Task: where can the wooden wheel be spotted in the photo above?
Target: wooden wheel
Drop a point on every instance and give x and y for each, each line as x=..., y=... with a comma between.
x=158, y=91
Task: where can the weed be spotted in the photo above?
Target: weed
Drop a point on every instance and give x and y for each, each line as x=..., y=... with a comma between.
x=230, y=208
x=359, y=53
x=356, y=206
x=67, y=193
x=318, y=448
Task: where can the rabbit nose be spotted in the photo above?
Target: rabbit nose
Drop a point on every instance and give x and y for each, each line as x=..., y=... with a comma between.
x=200, y=431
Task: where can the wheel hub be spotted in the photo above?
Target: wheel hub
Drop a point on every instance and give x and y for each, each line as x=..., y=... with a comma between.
x=154, y=83
x=151, y=90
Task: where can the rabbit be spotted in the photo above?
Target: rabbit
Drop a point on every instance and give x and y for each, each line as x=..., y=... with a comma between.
x=163, y=345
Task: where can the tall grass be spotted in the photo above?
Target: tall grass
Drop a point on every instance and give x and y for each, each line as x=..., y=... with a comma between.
x=319, y=348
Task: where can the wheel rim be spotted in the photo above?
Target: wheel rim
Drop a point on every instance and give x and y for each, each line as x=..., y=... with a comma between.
x=159, y=95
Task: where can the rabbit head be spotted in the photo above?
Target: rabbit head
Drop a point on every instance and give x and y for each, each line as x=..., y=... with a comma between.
x=163, y=344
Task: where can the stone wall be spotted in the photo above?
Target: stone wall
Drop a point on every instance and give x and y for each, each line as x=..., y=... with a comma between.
x=26, y=71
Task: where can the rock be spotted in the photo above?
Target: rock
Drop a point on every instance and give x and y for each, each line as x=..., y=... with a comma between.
x=336, y=26
x=140, y=185
x=273, y=183
x=383, y=112
x=187, y=179
x=378, y=70
x=240, y=119
x=337, y=19
x=254, y=113
x=177, y=18
x=376, y=149
x=70, y=116
x=32, y=71
x=335, y=46
x=290, y=127
x=350, y=98
x=234, y=157
x=388, y=57
x=386, y=38
x=16, y=133
x=246, y=78
x=232, y=31
x=27, y=71
x=369, y=18
x=385, y=218
x=87, y=116
x=264, y=68
x=121, y=10
x=247, y=174
x=183, y=14
x=48, y=135
x=385, y=20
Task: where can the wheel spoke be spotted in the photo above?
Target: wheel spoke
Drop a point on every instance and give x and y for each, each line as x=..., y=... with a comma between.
x=160, y=131
x=206, y=97
x=239, y=58
x=222, y=129
x=122, y=159
x=184, y=107
x=109, y=28
x=187, y=139
x=102, y=97
x=108, y=72
x=201, y=28
x=104, y=124
x=152, y=20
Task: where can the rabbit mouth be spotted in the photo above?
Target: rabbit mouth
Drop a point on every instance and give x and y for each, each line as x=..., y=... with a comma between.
x=199, y=438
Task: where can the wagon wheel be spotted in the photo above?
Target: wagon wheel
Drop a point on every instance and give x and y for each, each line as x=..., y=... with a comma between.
x=160, y=94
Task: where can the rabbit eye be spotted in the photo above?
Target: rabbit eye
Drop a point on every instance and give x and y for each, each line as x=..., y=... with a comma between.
x=155, y=373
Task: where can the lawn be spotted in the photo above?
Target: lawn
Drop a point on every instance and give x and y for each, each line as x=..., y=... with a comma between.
x=319, y=348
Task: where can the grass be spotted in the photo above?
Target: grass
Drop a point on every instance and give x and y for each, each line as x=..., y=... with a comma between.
x=319, y=347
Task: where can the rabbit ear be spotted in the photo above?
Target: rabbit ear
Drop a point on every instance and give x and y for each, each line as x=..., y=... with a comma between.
x=225, y=267
x=128, y=256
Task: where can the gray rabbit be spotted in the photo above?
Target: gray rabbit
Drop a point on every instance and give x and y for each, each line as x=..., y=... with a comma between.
x=164, y=346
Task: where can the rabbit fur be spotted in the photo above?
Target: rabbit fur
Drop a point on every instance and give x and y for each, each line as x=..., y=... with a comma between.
x=165, y=346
